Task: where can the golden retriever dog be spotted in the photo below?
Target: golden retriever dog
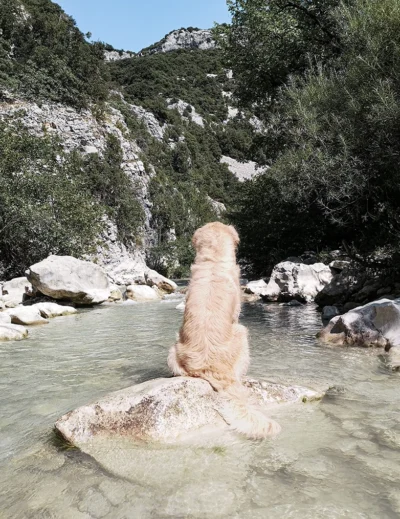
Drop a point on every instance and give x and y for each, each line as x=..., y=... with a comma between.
x=212, y=345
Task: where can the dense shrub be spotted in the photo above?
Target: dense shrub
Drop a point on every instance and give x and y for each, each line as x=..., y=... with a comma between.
x=44, y=55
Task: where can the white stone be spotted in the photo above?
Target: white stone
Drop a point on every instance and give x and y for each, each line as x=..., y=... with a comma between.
x=142, y=293
x=297, y=281
x=374, y=324
x=242, y=170
x=153, y=278
x=5, y=318
x=26, y=315
x=50, y=310
x=256, y=287
x=67, y=278
x=184, y=39
x=14, y=290
x=12, y=332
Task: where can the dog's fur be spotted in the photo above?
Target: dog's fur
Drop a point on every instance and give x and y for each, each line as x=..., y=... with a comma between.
x=212, y=345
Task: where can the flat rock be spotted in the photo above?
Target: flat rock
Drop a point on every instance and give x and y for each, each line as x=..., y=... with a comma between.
x=164, y=410
x=142, y=293
x=26, y=316
x=50, y=310
x=5, y=318
x=67, y=278
x=12, y=332
x=374, y=324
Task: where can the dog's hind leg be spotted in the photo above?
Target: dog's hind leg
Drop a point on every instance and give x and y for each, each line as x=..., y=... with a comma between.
x=174, y=364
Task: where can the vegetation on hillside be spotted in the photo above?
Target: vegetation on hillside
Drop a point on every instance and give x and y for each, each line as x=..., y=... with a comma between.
x=52, y=202
x=43, y=55
x=333, y=141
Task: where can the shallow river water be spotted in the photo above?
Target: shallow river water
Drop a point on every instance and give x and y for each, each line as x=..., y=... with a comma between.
x=339, y=458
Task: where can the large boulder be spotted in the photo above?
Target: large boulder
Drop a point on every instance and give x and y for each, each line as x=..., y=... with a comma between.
x=374, y=324
x=67, y=278
x=142, y=293
x=12, y=332
x=154, y=279
x=26, y=315
x=13, y=291
x=5, y=318
x=164, y=410
x=296, y=281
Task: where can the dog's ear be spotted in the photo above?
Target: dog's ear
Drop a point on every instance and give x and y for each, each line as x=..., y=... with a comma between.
x=234, y=234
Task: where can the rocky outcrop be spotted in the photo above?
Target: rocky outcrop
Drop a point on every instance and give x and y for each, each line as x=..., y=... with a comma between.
x=154, y=279
x=116, y=55
x=374, y=324
x=296, y=281
x=186, y=108
x=242, y=170
x=12, y=332
x=142, y=293
x=183, y=39
x=164, y=410
x=70, y=279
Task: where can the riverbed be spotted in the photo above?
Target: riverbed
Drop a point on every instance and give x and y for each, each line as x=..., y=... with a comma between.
x=339, y=458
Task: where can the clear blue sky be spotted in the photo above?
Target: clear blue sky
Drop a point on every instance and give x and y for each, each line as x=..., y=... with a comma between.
x=135, y=24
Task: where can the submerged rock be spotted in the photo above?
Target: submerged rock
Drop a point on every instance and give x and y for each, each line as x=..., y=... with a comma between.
x=164, y=410
x=328, y=312
x=374, y=324
x=299, y=281
x=67, y=278
x=12, y=332
x=153, y=278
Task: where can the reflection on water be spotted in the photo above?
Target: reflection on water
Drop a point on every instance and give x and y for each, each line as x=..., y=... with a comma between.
x=336, y=459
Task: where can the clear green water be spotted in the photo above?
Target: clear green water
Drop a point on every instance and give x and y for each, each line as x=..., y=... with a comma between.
x=336, y=459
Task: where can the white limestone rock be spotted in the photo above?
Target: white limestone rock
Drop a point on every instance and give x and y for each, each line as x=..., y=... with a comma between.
x=297, y=281
x=154, y=279
x=26, y=316
x=12, y=332
x=67, y=278
x=142, y=293
x=374, y=324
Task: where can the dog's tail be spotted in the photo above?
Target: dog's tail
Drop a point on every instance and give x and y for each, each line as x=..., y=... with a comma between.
x=242, y=412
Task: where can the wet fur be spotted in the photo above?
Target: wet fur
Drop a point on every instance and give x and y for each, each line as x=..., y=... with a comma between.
x=212, y=344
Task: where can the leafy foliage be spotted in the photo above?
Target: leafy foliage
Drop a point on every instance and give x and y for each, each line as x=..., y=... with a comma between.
x=334, y=148
x=44, y=55
x=45, y=206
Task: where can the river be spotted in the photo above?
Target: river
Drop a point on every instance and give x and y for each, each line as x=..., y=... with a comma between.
x=339, y=458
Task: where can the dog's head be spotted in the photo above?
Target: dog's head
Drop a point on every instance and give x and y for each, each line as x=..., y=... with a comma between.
x=216, y=239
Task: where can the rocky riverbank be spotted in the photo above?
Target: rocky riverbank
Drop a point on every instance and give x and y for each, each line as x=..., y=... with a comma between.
x=59, y=285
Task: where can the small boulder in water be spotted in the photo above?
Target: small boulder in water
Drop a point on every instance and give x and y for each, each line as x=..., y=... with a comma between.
x=374, y=324
x=154, y=279
x=50, y=310
x=12, y=332
x=142, y=293
x=26, y=315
